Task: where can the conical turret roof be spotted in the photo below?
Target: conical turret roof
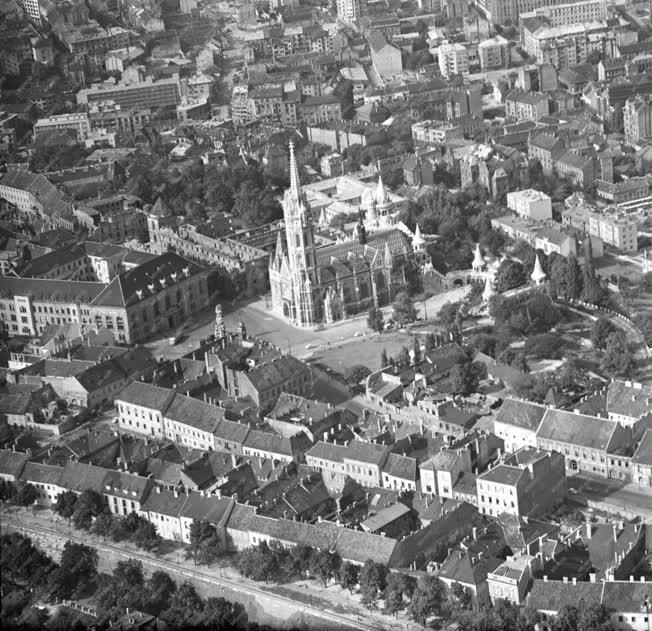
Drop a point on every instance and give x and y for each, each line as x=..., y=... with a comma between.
x=478, y=261
x=538, y=275
x=418, y=239
x=381, y=196
x=160, y=208
x=489, y=290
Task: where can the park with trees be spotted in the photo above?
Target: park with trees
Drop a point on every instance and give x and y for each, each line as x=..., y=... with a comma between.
x=29, y=577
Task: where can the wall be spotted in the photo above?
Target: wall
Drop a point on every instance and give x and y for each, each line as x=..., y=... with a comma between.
x=337, y=140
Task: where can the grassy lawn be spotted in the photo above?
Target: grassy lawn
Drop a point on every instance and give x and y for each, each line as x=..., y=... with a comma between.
x=608, y=265
x=365, y=351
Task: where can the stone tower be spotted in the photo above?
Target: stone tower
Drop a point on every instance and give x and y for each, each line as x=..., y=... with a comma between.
x=300, y=240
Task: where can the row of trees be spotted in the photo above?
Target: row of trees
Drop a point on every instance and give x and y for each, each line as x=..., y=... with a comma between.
x=179, y=606
x=30, y=576
x=421, y=598
x=90, y=511
x=617, y=359
x=20, y=493
x=205, y=546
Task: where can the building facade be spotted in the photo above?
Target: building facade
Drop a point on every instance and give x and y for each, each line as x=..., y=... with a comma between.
x=637, y=118
x=530, y=204
x=141, y=95
x=158, y=295
x=453, y=60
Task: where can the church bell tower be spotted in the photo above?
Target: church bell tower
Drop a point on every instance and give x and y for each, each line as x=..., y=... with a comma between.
x=300, y=239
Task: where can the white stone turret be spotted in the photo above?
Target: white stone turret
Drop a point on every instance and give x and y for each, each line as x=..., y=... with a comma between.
x=381, y=196
x=538, y=275
x=478, y=261
x=489, y=290
x=418, y=241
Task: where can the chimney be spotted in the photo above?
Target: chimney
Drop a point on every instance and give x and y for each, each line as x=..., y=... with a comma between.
x=592, y=577
x=176, y=493
x=158, y=489
x=565, y=579
x=574, y=580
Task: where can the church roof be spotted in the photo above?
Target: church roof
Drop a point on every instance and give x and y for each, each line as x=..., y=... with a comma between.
x=397, y=241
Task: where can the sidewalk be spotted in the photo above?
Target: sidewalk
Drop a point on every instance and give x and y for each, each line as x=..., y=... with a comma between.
x=331, y=603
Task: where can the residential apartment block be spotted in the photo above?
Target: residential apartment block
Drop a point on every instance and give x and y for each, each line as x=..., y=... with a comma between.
x=494, y=53
x=528, y=482
x=92, y=39
x=501, y=11
x=351, y=11
x=77, y=122
x=530, y=204
x=559, y=14
x=614, y=228
x=32, y=193
x=637, y=118
x=146, y=94
x=186, y=421
x=453, y=60
x=618, y=230
x=367, y=463
x=566, y=45
x=526, y=106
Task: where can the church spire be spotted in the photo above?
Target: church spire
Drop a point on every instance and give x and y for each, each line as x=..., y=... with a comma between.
x=381, y=196
x=295, y=187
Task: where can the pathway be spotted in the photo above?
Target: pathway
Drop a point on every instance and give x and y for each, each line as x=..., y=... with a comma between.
x=301, y=596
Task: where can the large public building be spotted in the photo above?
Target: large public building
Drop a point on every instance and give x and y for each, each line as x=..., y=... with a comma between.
x=311, y=285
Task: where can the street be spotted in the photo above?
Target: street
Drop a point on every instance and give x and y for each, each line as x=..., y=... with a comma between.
x=301, y=342
x=263, y=603
x=614, y=495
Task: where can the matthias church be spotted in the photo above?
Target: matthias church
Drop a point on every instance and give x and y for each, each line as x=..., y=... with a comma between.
x=313, y=284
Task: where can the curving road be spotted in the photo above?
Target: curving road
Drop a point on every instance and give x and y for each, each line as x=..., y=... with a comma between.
x=634, y=336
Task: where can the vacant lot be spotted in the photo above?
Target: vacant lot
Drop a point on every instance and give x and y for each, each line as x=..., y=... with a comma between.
x=362, y=350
